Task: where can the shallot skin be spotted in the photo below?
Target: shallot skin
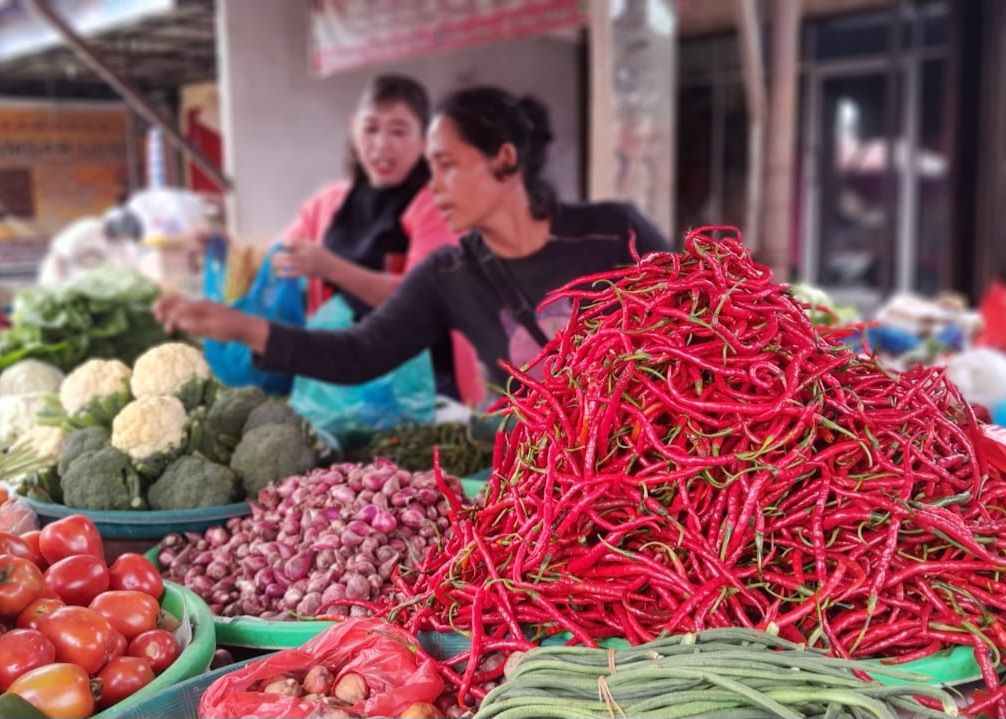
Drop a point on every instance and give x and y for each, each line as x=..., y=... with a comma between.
x=314, y=544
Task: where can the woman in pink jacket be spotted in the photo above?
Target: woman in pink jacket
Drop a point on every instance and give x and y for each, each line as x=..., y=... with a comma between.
x=359, y=237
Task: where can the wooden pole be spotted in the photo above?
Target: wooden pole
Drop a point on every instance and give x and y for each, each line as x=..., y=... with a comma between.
x=753, y=69
x=781, y=137
x=602, y=125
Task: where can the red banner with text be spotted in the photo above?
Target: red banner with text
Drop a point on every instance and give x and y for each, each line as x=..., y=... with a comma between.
x=349, y=34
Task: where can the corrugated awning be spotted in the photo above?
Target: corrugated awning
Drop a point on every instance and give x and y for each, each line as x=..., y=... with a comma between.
x=166, y=49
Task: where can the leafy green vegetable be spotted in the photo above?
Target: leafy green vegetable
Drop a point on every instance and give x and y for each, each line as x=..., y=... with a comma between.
x=104, y=313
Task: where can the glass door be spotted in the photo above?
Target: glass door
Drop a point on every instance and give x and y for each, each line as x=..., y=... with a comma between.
x=855, y=192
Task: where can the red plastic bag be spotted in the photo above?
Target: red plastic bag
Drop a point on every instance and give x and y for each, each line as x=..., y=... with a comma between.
x=16, y=517
x=397, y=670
x=993, y=313
x=992, y=441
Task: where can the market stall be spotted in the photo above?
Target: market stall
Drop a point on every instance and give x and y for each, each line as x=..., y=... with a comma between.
x=700, y=503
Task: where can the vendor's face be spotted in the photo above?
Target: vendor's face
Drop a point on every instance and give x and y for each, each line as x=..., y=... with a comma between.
x=388, y=140
x=465, y=187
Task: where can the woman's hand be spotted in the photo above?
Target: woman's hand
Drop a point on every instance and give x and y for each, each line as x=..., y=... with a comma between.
x=203, y=318
x=303, y=259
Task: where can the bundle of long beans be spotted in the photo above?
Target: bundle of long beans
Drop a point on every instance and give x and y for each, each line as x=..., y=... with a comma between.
x=410, y=446
x=717, y=674
x=690, y=452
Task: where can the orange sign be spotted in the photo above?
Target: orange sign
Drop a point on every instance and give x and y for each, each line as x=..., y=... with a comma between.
x=60, y=162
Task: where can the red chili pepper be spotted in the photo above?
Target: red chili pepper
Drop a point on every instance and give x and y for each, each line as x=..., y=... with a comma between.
x=688, y=447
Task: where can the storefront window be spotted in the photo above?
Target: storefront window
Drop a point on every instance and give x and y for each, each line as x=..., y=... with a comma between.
x=932, y=163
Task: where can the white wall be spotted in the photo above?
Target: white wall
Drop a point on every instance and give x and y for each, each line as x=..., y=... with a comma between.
x=285, y=131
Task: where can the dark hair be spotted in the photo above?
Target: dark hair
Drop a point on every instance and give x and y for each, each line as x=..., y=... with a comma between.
x=488, y=117
x=384, y=90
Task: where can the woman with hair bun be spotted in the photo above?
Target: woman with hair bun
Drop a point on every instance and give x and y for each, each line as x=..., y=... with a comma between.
x=486, y=151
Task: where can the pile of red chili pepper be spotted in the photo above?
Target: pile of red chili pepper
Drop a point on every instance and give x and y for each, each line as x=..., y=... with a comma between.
x=690, y=452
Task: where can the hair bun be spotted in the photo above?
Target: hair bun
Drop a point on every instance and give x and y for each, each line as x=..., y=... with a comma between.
x=537, y=115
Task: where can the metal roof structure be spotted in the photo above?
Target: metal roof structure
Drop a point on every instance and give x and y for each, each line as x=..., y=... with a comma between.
x=161, y=52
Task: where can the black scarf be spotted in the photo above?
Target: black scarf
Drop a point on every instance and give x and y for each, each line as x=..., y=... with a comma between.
x=367, y=227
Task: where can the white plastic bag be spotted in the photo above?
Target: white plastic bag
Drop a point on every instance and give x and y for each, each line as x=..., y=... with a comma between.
x=980, y=375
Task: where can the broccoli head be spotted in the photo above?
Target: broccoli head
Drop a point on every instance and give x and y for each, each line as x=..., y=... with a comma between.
x=102, y=479
x=270, y=453
x=80, y=442
x=193, y=481
x=229, y=413
x=273, y=411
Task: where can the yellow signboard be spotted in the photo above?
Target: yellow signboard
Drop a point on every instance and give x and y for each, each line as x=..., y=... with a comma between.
x=60, y=162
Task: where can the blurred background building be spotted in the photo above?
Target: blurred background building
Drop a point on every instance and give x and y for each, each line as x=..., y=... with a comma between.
x=860, y=144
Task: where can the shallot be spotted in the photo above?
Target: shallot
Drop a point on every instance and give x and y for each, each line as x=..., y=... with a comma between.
x=318, y=680
x=351, y=689
x=324, y=543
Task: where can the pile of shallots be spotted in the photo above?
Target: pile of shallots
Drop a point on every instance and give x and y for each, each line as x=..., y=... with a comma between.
x=323, y=543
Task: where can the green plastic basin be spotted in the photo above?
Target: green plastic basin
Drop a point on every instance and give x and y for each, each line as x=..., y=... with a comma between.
x=252, y=633
x=952, y=666
x=145, y=524
x=180, y=701
x=193, y=660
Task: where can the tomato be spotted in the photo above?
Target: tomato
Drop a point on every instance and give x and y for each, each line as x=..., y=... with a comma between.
x=81, y=636
x=21, y=583
x=69, y=536
x=129, y=613
x=78, y=579
x=13, y=544
x=122, y=677
x=31, y=539
x=119, y=646
x=20, y=651
x=158, y=646
x=135, y=572
x=60, y=691
x=42, y=607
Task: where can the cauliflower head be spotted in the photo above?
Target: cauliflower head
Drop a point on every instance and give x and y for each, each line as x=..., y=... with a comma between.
x=30, y=376
x=102, y=479
x=151, y=431
x=270, y=453
x=193, y=481
x=173, y=368
x=95, y=392
x=19, y=413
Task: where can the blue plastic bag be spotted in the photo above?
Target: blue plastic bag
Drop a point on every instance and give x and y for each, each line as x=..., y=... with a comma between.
x=277, y=299
x=406, y=394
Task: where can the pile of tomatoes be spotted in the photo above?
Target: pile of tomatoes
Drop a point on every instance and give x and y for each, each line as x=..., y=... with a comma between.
x=77, y=634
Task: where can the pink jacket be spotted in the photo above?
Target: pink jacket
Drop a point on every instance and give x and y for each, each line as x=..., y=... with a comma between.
x=426, y=230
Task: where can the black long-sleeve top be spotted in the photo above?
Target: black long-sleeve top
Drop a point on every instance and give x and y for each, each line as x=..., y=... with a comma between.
x=450, y=290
